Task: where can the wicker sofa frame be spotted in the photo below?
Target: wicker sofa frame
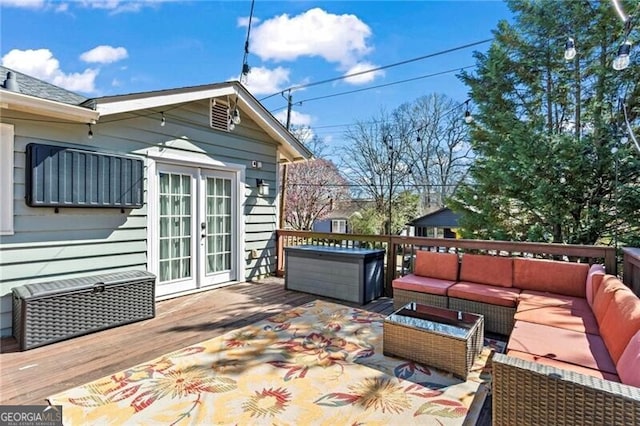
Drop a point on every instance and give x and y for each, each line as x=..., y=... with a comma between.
x=401, y=297
x=497, y=319
x=528, y=393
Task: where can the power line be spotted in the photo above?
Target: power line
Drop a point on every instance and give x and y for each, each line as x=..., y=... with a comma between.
x=362, y=185
x=378, y=86
x=355, y=74
x=328, y=126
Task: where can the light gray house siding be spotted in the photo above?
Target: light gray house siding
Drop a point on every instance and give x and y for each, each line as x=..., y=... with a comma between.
x=83, y=241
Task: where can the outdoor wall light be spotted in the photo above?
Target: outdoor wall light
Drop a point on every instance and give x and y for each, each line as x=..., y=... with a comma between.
x=621, y=61
x=570, y=49
x=263, y=187
x=90, y=132
x=163, y=121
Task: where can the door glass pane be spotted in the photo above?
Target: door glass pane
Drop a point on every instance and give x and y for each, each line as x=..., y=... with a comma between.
x=218, y=211
x=175, y=226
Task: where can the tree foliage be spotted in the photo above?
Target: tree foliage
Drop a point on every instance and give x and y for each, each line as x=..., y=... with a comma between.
x=420, y=148
x=550, y=165
x=312, y=188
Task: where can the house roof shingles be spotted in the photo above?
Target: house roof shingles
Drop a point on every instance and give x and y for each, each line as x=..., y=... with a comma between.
x=40, y=89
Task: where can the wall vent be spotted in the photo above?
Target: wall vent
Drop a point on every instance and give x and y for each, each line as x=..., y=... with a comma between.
x=66, y=177
x=219, y=115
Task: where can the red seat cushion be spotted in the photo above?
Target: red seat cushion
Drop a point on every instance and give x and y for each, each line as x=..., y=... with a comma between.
x=443, y=266
x=550, y=299
x=621, y=321
x=492, y=294
x=582, y=349
x=563, y=365
x=577, y=319
x=493, y=270
x=567, y=278
x=413, y=282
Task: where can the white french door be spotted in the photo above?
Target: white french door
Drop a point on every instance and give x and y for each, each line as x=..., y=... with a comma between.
x=196, y=242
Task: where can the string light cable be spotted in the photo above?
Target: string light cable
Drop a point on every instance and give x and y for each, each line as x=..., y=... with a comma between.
x=629, y=129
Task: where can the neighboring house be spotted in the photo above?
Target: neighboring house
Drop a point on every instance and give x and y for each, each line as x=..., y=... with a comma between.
x=441, y=223
x=157, y=181
x=338, y=219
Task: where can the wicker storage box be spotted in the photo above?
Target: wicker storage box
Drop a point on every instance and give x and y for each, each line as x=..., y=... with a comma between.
x=48, y=312
x=350, y=274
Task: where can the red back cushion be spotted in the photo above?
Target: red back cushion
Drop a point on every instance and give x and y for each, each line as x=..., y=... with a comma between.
x=604, y=295
x=594, y=279
x=621, y=322
x=492, y=270
x=568, y=278
x=443, y=266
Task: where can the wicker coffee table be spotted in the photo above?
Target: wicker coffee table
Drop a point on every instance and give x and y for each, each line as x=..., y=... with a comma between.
x=438, y=337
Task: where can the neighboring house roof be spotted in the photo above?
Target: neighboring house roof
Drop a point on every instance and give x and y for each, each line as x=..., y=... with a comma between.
x=443, y=218
x=44, y=98
x=345, y=209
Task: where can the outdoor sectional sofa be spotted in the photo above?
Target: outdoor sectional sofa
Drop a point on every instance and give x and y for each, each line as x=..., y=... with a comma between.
x=573, y=355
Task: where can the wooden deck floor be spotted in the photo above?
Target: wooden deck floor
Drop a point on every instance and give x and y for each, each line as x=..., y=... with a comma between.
x=29, y=377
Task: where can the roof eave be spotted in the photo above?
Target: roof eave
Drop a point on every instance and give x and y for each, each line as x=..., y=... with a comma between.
x=289, y=147
x=31, y=104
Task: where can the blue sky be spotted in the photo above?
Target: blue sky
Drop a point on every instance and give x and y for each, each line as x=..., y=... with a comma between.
x=108, y=47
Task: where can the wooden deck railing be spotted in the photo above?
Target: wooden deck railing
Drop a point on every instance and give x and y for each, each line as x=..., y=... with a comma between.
x=400, y=250
x=631, y=268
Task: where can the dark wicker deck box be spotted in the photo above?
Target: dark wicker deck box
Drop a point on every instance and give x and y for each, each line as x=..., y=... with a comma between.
x=48, y=312
x=350, y=274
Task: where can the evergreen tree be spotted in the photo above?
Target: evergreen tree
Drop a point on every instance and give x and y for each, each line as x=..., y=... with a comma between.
x=549, y=162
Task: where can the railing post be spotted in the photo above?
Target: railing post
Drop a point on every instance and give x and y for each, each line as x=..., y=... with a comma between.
x=279, y=254
x=391, y=267
x=610, y=261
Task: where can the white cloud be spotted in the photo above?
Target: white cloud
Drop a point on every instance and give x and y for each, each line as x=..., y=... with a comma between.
x=113, y=6
x=104, y=54
x=362, y=78
x=340, y=39
x=262, y=81
x=297, y=118
x=41, y=64
x=243, y=22
x=117, y=6
x=28, y=4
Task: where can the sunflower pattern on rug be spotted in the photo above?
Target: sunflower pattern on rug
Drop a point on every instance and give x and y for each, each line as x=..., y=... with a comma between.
x=320, y=363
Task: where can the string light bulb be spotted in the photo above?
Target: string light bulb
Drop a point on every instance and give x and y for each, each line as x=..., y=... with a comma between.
x=570, y=49
x=621, y=61
x=90, y=133
x=468, y=118
x=235, y=116
x=163, y=121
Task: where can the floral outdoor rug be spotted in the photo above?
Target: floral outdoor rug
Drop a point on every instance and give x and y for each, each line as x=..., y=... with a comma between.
x=317, y=364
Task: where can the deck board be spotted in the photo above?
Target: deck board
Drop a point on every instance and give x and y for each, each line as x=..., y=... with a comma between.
x=29, y=377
